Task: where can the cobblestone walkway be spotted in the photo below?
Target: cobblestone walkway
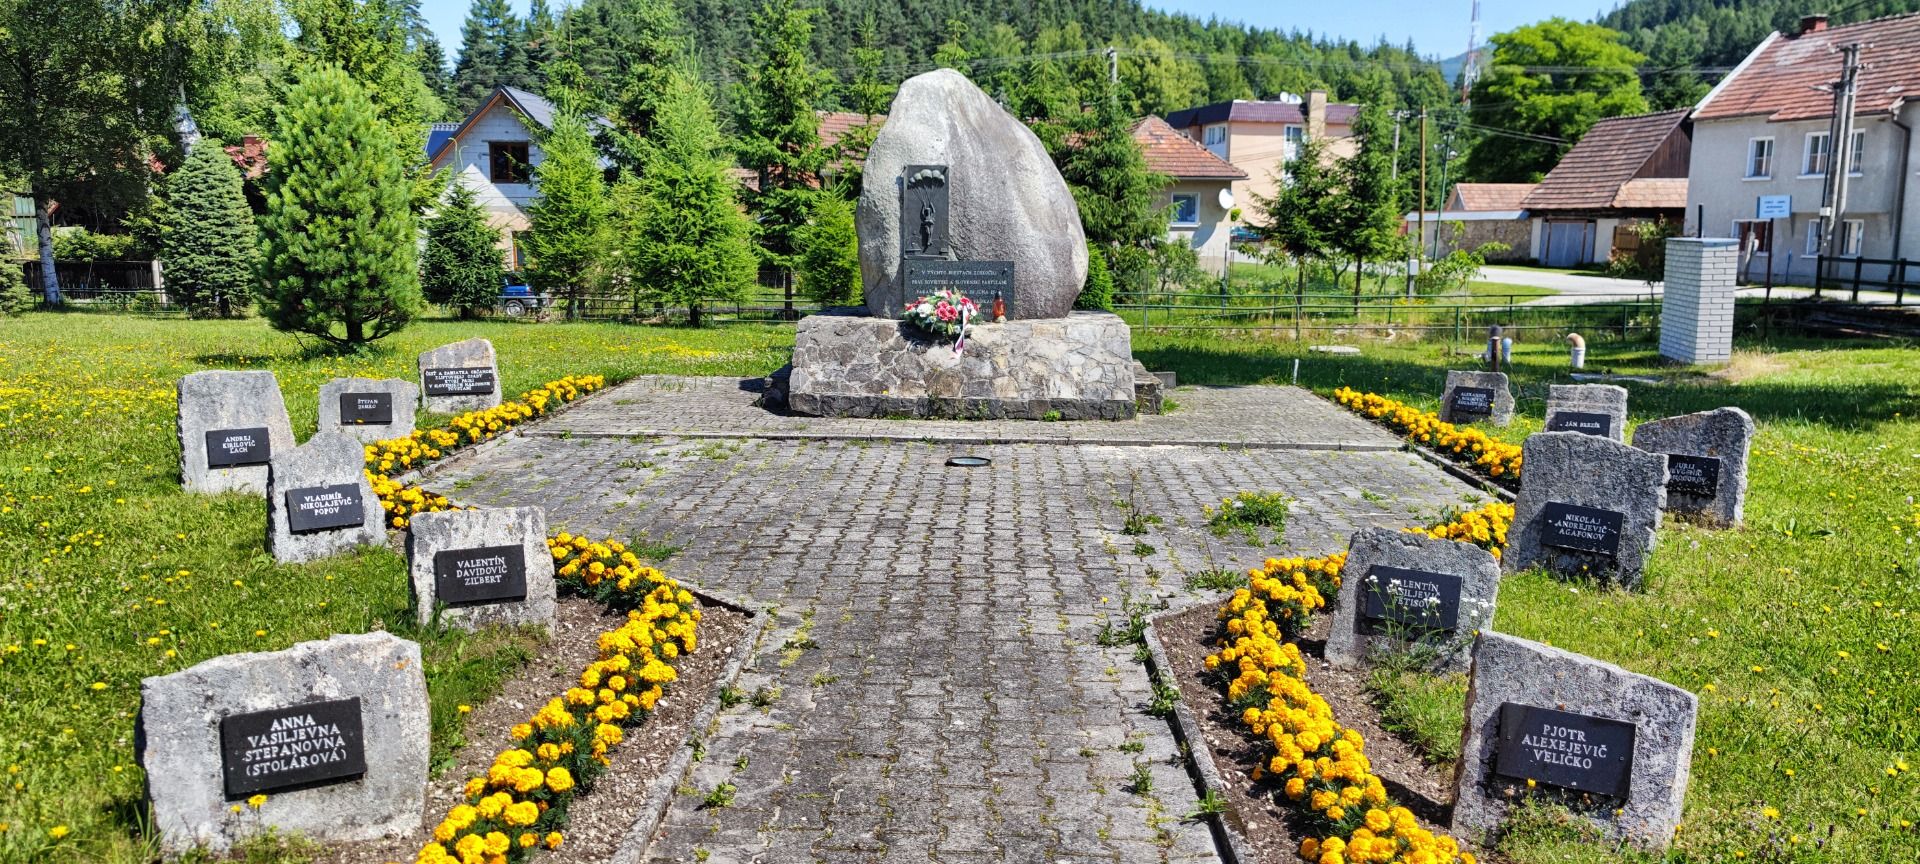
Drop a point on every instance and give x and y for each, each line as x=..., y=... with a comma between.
x=933, y=689
x=1283, y=417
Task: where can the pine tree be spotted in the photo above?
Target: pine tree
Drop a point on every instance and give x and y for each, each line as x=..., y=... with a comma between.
x=339, y=234
x=688, y=241
x=868, y=94
x=461, y=266
x=1119, y=198
x=539, y=36
x=829, y=263
x=779, y=131
x=1368, y=224
x=568, y=239
x=209, y=243
x=492, y=53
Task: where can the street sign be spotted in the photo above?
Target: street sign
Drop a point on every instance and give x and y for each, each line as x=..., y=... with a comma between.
x=1774, y=207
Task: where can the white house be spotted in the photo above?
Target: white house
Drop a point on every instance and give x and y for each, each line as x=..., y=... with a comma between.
x=494, y=153
x=1760, y=150
x=1197, y=210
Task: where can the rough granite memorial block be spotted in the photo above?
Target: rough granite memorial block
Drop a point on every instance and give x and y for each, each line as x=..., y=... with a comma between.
x=333, y=732
x=320, y=503
x=1000, y=198
x=463, y=376
x=369, y=409
x=1613, y=746
x=1473, y=397
x=1590, y=409
x=478, y=567
x=1076, y=368
x=1706, y=462
x=1404, y=588
x=1588, y=506
x=231, y=425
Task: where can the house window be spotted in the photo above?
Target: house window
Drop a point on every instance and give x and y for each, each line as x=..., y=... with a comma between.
x=1859, y=152
x=507, y=161
x=1756, y=234
x=1294, y=135
x=1815, y=164
x=1852, y=231
x=1215, y=134
x=516, y=257
x=1813, y=236
x=1759, y=158
x=1186, y=210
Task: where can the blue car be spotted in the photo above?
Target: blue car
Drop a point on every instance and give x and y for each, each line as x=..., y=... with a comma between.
x=518, y=298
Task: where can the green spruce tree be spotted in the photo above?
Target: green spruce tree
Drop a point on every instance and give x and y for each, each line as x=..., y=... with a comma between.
x=492, y=53
x=1368, y=221
x=461, y=266
x=1301, y=216
x=779, y=133
x=568, y=239
x=14, y=298
x=1119, y=197
x=339, y=234
x=688, y=243
x=829, y=262
x=209, y=243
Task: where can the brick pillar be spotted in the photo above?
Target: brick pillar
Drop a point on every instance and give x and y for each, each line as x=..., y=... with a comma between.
x=1696, y=313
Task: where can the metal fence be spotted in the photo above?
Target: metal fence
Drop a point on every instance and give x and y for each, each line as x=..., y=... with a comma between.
x=774, y=298
x=1325, y=314
x=115, y=285
x=1852, y=274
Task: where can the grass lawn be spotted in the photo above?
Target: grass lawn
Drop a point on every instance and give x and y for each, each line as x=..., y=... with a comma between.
x=1799, y=632
x=109, y=573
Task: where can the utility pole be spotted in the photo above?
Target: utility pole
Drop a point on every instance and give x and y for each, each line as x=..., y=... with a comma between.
x=1113, y=65
x=1421, y=238
x=1833, y=192
x=1397, y=117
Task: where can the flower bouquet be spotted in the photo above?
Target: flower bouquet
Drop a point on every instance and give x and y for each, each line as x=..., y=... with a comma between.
x=945, y=312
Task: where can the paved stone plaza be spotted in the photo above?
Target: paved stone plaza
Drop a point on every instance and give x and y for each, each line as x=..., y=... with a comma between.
x=933, y=686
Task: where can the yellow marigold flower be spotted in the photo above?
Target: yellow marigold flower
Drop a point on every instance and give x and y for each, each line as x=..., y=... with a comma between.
x=553, y=840
x=497, y=843
x=521, y=814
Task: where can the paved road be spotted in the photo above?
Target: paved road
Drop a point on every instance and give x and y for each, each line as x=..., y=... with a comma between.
x=934, y=686
x=1582, y=288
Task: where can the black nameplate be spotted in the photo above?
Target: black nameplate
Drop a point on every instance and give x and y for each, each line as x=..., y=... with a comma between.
x=366, y=409
x=227, y=448
x=1582, y=529
x=923, y=211
x=1473, y=400
x=1414, y=598
x=1583, y=422
x=981, y=281
x=1693, y=475
x=324, y=508
x=489, y=574
x=1571, y=751
x=296, y=747
x=458, y=381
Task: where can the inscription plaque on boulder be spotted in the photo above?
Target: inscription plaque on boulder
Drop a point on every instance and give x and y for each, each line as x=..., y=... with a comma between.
x=1588, y=507
x=1586, y=529
x=295, y=747
x=463, y=376
x=324, y=508
x=335, y=732
x=981, y=281
x=1612, y=746
x=1411, y=590
x=321, y=503
x=1706, y=462
x=485, y=566
x=370, y=409
x=1472, y=397
x=488, y=574
x=230, y=425
x=1560, y=748
x=1583, y=422
x=227, y=448
x=923, y=211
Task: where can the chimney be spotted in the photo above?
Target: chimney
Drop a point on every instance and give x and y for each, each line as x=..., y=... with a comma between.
x=1317, y=114
x=1812, y=24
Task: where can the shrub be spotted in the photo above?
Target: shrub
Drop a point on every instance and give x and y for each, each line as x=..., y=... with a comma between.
x=78, y=244
x=1648, y=263
x=461, y=266
x=1098, y=293
x=829, y=259
x=339, y=229
x=1451, y=274
x=14, y=297
x=209, y=242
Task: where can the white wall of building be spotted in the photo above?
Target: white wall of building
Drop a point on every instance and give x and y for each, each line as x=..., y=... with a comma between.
x=1211, y=234
x=467, y=157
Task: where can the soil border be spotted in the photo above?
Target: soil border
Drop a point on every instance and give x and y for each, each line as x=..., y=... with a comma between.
x=1228, y=826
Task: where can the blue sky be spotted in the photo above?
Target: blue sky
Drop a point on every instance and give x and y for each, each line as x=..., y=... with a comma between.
x=1438, y=27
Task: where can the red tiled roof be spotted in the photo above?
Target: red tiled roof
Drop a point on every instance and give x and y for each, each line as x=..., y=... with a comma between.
x=1492, y=196
x=1175, y=155
x=1652, y=193
x=1779, y=79
x=1615, y=149
x=834, y=125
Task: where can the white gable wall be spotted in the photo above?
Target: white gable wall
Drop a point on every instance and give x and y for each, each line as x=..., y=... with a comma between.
x=467, y=156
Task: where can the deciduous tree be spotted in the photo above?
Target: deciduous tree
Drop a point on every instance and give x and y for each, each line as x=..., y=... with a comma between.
x=1550, y=80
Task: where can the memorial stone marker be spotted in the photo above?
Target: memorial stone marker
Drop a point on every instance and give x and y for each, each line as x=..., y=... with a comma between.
x=1588, y=506
x=1706, y=462
x=231, y=424
x=334, y=732
x=981, y=281
x=463, y=376
x=482, y=567
x=923, y=211
x=1473, y=397
x=320, y=502
x=1405, y=587
x=369, y=409
x=1613, y=746
x=1590, y=409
